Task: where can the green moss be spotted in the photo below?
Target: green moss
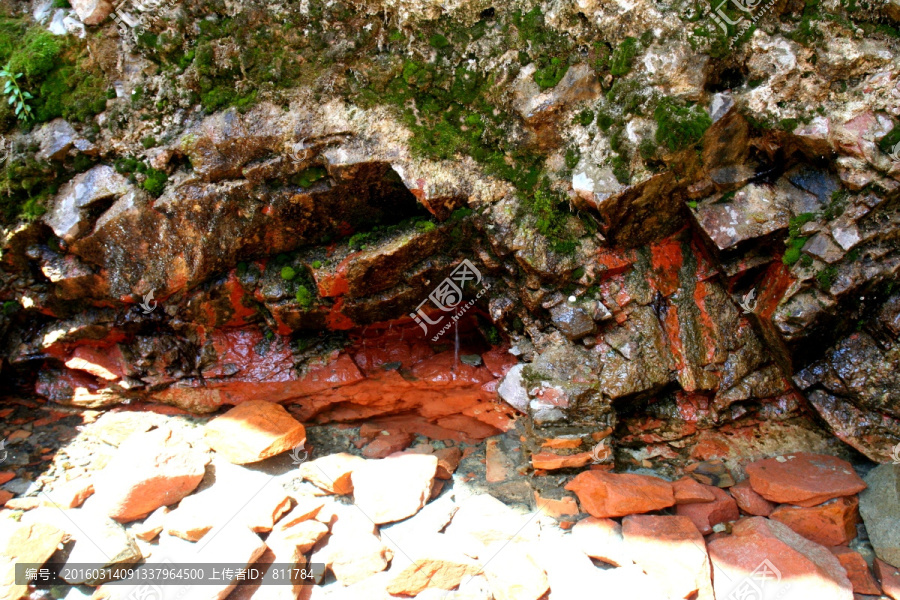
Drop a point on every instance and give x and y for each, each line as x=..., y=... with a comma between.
x=827, y=276
x=149, y=142
x=309, y=176
x=425, y=226
x=621, y=170
x=890, y=141
x=36, y=55
x=678, y=126
x=317, y=264
x=288, y=273
x=572, y=157
x=304, y=297
x=155, y=182
x=623, y=57
x=548, y=75
x=584, y=118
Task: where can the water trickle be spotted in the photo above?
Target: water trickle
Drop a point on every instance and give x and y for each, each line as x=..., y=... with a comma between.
x=455, y=345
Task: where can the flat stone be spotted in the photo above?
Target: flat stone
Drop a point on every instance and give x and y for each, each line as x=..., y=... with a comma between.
x=803, y=479
x=489, y=520
x=514, y=574
x=690, y=491
x=353, y=556
x=253, y=431
x=439, y=561
x=448, y=461
x=830, y=524
x=92, y=12
x=332, y=473
x=68, y=214
x=549, y=461
x=616, y=495
x=711, y=472
x=303, y=536
x=71, y=494
x=749, y=501
x=149, y=470
x=857, y=571
x=25, y=543
x=767, y=554
x=672, y=551
x=56, y=138
x=602, y=539
x=395, y=487
x=879, y=506
x=707, y=514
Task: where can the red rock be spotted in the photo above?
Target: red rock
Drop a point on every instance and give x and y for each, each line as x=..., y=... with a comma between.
x=17, y=436
x=395, y=487
x=302, y=535
x=690, y=491
x=556, y=508
x=562, y=443
x=829, y=524
x=857, y=571
x=106, y=363
x=149, y=470
x=672, y=551
x=152, y=526
x=615, y=495
x=749, y=501
x=804, y=479
x=767, y=554
x=448, y=461
x=32, y=543
x=498, y=466
x=6, y=476
x=548, y=461
x=602, y=539
x=889, y=576
x=437, y=562
x=254, y=431
x=5, y=497
x=705, y=515
x=332, y=472
x=385, y=445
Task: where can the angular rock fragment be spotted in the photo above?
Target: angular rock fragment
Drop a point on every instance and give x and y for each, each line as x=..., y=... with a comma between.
x=602, y=539
x=749, y=501
x=857, y=571
x=253, y=431
x=705, y=515
x=395, y=487
x=879, y=506
x=803, y=479
x=332, y=473
x=830, y=524
x=27, y=543
x=616, y=495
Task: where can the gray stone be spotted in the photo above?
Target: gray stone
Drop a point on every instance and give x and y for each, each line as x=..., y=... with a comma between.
x=879, y=505
x=57, y=136
x=573, y=320
x=68, y=217
x=821, y=246
x=512, y=389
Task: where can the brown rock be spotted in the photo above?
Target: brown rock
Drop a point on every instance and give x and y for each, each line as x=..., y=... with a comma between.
x=672, y=551
x=711, y=472
x=889, y=576
x=768, y=554
x=149, y=470
x=749, y=501
x=385, y=445
x=395, y=487
x=448, y=461
x=690, y=491
x=857, y=571
x=705, y=515
x=253, y=431
x=548, y=461
x=615, y=495
x=804, y=479
x=498, y=466
x=829, y=524
x=602, y=539
x=332, y=473
x=92, y=12
x=30, y=543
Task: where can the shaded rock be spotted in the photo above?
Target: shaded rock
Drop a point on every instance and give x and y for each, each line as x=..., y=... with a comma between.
x=857, y=571
x=149, y=470
x=767, y=555
x=384, y=445
x=749, y=501
x=889, y=577
x=573, y=320
x=332, y=473
x=830, y=524
x=602, y=539
x=711, y=472
x=548, y=461
x=395, y=487
x=253, y=431
x=803, y=479
x=879, y=506
x=616, y=495
x=705, y=515
x=26, y=543
x=55, y=138
x=448, y=461
x=77, y=202
x=672, y=551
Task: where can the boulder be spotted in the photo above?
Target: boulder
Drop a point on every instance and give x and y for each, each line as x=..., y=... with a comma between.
x=332, y=473
x=616, y=495
x=803, y=479
x=879, y=505
x=830, y=524
x=149, y=470
x=672, y=551
x=705, y=515
x=395, y=487
x=253, y=431
x=769, y=559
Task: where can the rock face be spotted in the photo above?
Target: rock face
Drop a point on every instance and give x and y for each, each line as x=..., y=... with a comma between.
x=254, y=431
x=149, y=470
x=879, y=505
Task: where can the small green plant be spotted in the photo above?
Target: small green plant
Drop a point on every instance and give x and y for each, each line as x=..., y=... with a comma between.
x=288, y=273
x=317, y=264
x=677, y=126
x=304, y=297
x=795, y=241
x=826, y=276
x=14, y=94
x=549, y=75
x=623, y=57
x=155, y=182
x=425, y=226
x=584, y=118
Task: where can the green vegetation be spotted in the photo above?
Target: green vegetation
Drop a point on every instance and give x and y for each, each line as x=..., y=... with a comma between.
x=826, y=276
x=795, y=241
x=317, y=264
x=152, y=180
x=309, y=176
x=14, y=95
x=623, y=57
x=304, y=297
x=677, y=126
x=288, y=273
